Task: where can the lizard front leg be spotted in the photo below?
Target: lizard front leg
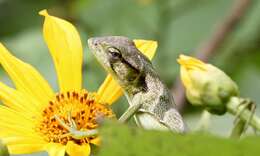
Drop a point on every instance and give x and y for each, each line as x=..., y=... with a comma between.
x=129, y=113
x=135, y=103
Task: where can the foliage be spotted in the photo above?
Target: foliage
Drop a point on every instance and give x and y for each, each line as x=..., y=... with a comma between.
x=129, y=141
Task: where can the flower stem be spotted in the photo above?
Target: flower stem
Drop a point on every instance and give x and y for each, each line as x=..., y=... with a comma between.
x=238, y=129
x=235, y=106
x=3, y=150
x=204, y=121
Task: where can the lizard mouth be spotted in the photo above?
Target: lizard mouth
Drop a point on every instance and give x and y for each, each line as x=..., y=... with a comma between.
x=95, y=48
x=93, y=43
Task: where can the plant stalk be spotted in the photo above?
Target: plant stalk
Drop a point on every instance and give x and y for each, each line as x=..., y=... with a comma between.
x=3, y=150
x=238, y=129
x=235, y=106
x=204, y=121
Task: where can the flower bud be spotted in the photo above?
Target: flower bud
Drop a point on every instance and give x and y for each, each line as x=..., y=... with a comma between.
x=206, y=85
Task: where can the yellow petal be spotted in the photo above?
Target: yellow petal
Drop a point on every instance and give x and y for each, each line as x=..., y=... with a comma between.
x=65, y=47
x=6, y=112
x=185, y=77
x=8, y=131
x=147, y=47
x=110, y=90
x=55, y=149
x=191, y=63
x=25, y=77
x=96, y=141
x=75, y=150
x=25, y=148
x=17, y=100
x=14, y=140
x=16, y=124
x=18, y=129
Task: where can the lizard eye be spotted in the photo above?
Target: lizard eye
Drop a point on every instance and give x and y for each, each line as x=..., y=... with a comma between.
x=114, y=52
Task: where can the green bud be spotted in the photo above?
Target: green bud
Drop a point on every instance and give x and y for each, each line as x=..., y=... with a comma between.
x=206, y=85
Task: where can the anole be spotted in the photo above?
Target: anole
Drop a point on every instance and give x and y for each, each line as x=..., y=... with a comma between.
x=149, y=99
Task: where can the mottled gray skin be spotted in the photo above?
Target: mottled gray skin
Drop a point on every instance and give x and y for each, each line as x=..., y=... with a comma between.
x=140, y=82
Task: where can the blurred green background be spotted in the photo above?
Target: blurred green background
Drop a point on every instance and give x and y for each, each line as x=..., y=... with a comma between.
x=179, y=26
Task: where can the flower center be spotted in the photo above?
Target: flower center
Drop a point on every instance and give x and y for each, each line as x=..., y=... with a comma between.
x=81, y=107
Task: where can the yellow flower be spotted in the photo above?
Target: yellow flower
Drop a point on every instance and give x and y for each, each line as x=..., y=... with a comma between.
x=27, y=118
x=206, y=85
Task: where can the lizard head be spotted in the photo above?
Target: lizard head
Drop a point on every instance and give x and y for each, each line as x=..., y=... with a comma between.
x=119, y=56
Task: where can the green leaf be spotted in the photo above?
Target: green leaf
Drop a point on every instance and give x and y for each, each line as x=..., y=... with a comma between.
x=123, y=140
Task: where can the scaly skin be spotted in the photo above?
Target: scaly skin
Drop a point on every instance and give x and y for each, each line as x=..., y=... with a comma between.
x=148, y=97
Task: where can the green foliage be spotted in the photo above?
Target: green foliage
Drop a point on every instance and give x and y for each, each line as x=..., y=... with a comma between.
x=128, y=141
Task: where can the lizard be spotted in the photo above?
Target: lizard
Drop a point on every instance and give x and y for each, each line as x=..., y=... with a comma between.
x=150, y=101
